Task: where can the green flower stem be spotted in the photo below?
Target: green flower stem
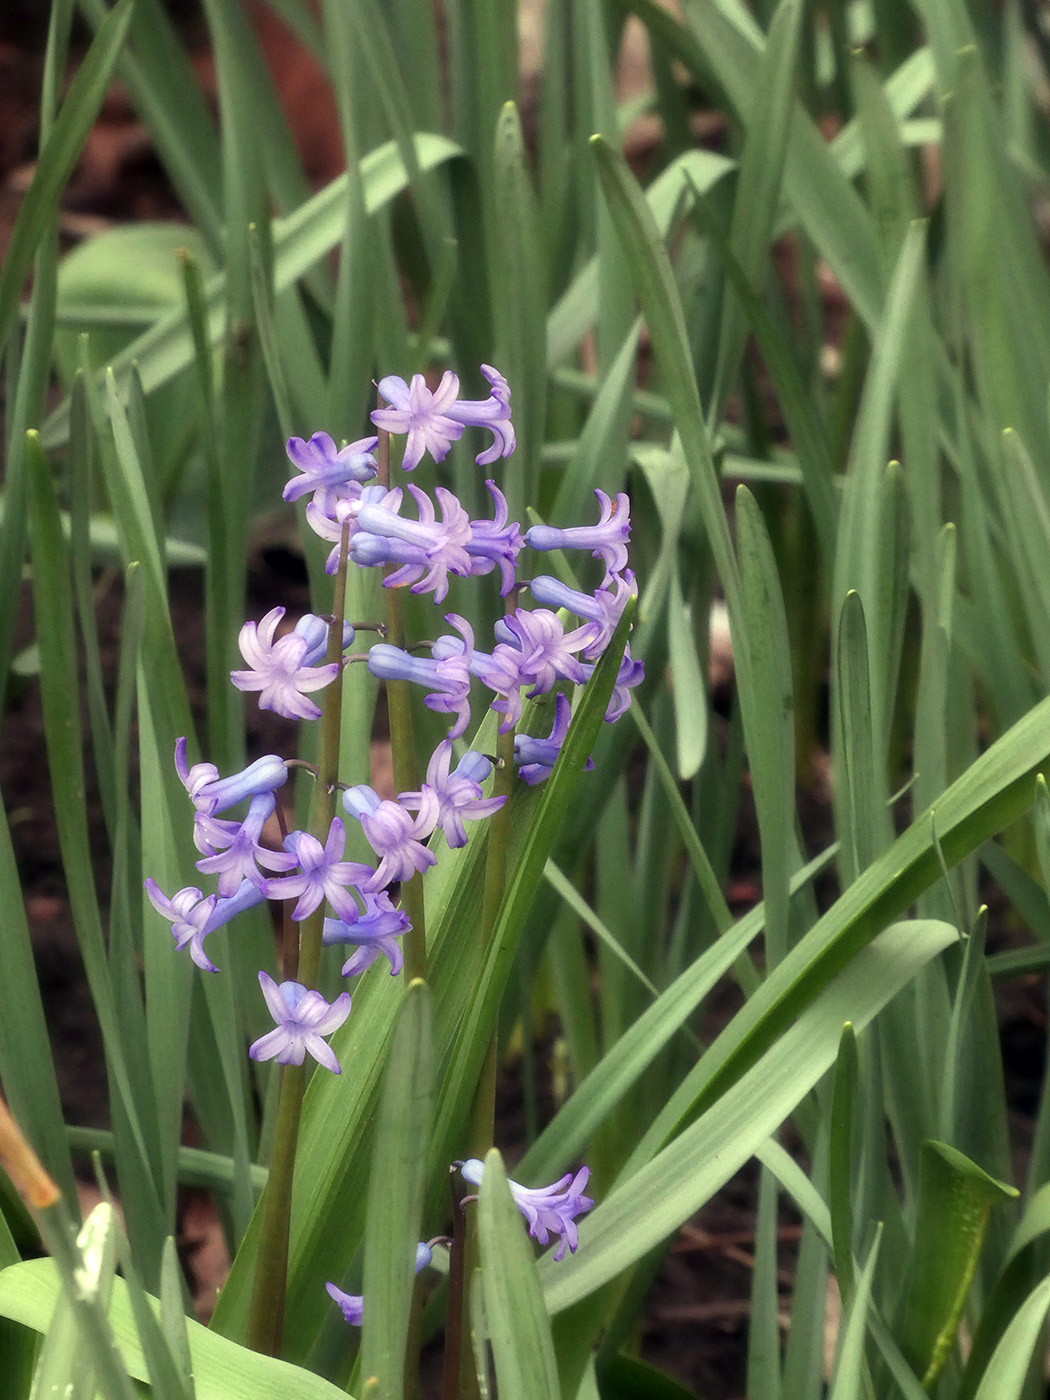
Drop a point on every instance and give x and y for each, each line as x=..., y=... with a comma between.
x=403, y=752
x=266, y=1320
x=483, y=1107
x=399, y=711
x=457, y=1308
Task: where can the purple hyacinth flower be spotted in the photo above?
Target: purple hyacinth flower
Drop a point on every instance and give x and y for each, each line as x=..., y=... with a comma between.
x=322, y=873
x=195, y=778
x=302, y=1017
x=536, y=757
x=422, y=414
x=501, y=672
x=352, y=1304
x=426, y=551
x=283, y=670
x=546, y=648
x=550, y=1210
x=393, y=833
x=446, y=675
x=231, y=849
x=602, y=608
x=630, y=674
x=211, y=793
x=607, y=540
x=194, y=917
x=374, y=932
x=459, y=793
x=328, y=523
x=496, y=542
x=492, y=413
x=325, y=468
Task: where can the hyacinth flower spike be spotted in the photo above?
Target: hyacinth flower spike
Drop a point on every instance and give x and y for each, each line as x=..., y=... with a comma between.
x=303, y=1018
x=352, y=1304
x=550, y=1210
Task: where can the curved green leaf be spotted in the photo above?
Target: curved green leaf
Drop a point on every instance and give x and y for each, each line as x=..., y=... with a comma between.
x=222, y=1370
x=955, y=1199
x=650, y=1203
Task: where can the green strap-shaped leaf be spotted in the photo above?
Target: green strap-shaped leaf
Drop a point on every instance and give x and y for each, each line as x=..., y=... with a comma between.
x=840, y=1160
x=78, y=1360
x=758, y=188
x=395, y=1193
x=1008, y=1369
x=955, y=1199
x=299, y=242
x=518, y=1326
x=1007, y=1298
x=851, y=1372
x=222, y=1370
x=649, y=1203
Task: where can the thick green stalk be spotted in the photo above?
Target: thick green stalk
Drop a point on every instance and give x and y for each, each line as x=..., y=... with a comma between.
x=403, y=753
x=271, y=1271
x=483, y=1108
x=399, y=711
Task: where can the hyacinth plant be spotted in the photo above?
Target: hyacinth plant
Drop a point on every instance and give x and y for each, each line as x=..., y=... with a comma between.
x=334, y=901
x=353, y=504
x=774, y=316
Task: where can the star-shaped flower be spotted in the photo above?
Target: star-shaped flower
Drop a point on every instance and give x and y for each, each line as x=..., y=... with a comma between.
x=303, y=1018
x=326, y=469
x=458, y=794
x=374, y=932
x=283, y=670
x=322, y=873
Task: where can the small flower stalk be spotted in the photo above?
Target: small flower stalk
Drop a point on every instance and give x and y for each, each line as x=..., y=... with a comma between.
x=362, y=910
